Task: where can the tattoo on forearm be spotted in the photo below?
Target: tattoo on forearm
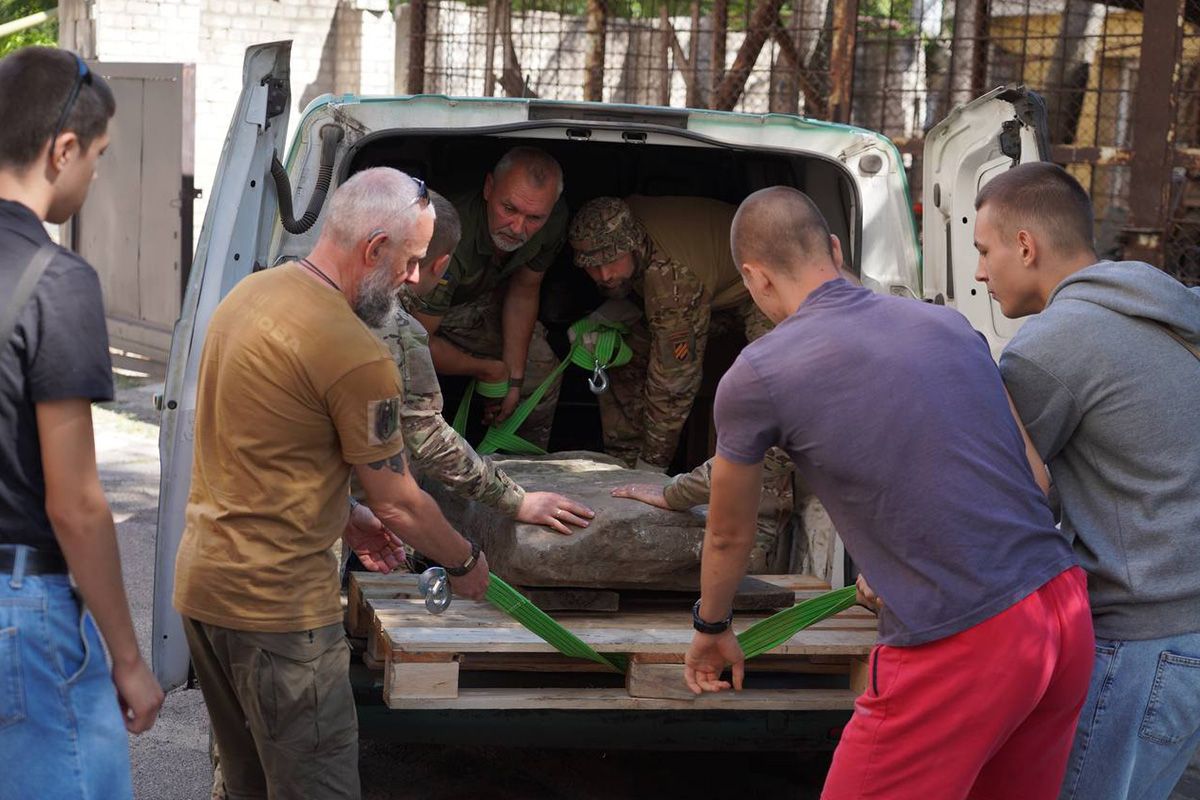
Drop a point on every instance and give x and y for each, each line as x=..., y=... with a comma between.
x=395, y=464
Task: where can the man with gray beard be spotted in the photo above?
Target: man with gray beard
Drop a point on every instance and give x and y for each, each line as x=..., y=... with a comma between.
x=294, y=394
x=482, y=317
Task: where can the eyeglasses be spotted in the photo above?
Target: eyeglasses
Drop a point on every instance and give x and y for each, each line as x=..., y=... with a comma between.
x=82, y=75
x=422, y=193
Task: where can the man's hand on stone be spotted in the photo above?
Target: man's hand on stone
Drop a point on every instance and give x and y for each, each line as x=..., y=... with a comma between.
x=554, y=511
x=376, y=546
x=645, y=492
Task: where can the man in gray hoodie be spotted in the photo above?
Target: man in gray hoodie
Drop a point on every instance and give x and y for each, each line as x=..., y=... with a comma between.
x=1103, y=379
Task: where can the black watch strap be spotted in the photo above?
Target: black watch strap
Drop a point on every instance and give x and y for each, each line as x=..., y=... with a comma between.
x=709, y=627
x=467, y=565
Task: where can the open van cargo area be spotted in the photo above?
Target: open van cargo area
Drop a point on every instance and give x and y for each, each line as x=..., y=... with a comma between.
x=615, y=163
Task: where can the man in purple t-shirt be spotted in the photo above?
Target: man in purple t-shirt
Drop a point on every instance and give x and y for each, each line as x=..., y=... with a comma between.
x=896, y=417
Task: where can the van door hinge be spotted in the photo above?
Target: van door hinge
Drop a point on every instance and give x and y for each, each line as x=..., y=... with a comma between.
x=1010, y=139
x=277, y=96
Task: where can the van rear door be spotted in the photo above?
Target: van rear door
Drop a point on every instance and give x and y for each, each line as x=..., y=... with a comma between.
x=233, y=242
x=964, y=151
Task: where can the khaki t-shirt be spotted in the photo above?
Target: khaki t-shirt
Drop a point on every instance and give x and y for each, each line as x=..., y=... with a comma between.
x=293, y=390
x=694, y=231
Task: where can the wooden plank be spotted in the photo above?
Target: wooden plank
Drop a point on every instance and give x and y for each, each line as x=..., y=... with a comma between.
x=860, y=675
x=420, y=681
x=358, y=617
x=619, y=700
x=649, y=678
x=372, y=584
x=412, y=613
x=608, y=640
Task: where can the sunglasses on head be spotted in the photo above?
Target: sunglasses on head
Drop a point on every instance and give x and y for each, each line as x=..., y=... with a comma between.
x=82, y=75
x=422, y=193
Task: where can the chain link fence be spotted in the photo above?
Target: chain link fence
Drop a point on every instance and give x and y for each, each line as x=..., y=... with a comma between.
x=895, y=66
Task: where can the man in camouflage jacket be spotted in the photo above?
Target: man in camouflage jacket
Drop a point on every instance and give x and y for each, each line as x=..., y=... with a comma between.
x=672, y=254
x=435, y=450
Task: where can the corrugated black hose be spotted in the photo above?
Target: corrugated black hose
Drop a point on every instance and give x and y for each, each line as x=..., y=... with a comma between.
x=331, y=137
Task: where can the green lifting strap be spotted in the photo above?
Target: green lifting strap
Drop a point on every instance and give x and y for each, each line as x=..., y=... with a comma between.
x=759, y=638
x=610, y=351
x=496, y=390
x=518, y=606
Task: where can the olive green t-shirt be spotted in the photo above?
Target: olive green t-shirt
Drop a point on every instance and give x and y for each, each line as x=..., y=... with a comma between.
x=694, y=232
x=475, y=267
x=293, y=390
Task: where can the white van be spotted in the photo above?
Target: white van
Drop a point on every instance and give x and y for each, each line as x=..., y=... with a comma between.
x=855, y=176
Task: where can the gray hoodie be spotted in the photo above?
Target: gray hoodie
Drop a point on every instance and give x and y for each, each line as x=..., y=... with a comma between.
x=1112, y=403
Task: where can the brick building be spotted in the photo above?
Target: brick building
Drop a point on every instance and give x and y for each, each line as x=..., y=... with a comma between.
x=338, y=46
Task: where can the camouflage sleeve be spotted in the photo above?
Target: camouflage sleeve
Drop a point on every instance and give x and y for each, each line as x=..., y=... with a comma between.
x=435, y=449
x=695, y=488
x=689, y=489
x=677, y=308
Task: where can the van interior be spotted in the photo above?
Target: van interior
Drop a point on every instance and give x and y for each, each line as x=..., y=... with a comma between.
x=452, y=163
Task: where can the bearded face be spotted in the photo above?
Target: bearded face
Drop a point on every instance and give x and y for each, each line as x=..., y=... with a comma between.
x=377, y=299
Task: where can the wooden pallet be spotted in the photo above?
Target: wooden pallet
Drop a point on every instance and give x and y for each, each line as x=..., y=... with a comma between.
x=468, y=657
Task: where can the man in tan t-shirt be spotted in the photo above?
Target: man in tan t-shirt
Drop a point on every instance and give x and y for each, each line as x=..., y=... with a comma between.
x=294, y=394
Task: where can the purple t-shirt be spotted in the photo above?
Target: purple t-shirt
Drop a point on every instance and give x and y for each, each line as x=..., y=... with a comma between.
x=895, y=416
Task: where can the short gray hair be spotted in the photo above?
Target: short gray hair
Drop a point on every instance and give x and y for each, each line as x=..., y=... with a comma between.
x=539, y=166
x=379, y=198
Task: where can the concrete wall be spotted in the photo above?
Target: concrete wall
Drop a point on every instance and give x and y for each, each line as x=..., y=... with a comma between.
x=338, y=46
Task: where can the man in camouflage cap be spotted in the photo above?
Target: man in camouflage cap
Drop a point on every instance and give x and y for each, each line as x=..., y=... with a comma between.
x=672, y=255
x=436, y=451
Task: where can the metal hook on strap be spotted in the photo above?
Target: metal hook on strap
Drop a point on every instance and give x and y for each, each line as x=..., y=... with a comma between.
x=598, y=383
x=434, y=585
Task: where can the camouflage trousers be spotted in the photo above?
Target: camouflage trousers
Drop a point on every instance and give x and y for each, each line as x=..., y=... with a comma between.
x=622, y=407
x=621, y=410
x=476, y=327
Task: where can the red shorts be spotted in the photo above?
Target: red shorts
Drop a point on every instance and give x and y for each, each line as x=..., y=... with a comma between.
x=989, y=712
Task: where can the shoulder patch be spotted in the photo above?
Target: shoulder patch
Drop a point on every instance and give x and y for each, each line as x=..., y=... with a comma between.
x=681, y=346
x=383, y=420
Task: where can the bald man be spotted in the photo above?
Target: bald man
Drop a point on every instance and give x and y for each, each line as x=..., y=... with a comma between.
x=895, y=415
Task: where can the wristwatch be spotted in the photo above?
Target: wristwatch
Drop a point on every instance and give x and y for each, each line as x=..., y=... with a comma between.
x=467, y=565
x=709, y=627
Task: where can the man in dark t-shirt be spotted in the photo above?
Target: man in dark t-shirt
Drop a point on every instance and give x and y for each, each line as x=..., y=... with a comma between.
x=62, y=724
x=896, y=417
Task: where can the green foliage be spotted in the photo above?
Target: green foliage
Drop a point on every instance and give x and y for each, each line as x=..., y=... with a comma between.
x=46, y=33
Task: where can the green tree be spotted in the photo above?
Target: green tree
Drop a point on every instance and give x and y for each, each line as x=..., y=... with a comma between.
x=46, y=33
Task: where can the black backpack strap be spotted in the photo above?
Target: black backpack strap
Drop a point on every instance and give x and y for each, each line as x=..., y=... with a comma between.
x=25, y=286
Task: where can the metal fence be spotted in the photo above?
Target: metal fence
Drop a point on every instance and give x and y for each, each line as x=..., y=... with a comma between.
x=1121, y=79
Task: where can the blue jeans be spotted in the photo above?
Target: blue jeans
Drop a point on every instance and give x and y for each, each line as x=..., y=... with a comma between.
x=61, y=731
x=1141, y=722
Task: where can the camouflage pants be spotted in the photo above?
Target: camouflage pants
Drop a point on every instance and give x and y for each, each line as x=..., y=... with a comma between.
x=772, y=542
x=476, y=327
x=622, y=407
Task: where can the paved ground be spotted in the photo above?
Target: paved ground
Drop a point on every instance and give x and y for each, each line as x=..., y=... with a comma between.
x=171, y=762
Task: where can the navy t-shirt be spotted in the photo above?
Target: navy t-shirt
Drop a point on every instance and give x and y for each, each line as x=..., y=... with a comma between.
x=58, y=351
x=895, y=415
